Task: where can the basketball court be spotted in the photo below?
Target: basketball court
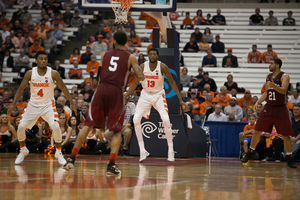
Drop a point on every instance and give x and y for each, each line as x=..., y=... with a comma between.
x=41, y=177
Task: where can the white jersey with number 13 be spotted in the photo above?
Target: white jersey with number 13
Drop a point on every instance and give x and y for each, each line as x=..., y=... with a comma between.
x=154, y=80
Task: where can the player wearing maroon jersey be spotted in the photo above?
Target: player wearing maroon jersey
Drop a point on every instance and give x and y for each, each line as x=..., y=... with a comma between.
x=108, y=99
x=275, y=112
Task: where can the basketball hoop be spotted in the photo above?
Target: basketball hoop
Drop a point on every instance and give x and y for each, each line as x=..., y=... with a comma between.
x=121, y=8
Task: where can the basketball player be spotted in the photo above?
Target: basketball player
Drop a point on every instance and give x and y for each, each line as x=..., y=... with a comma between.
x=108, y=99
x=275, y=112
x=41, y=104
x=153, y=94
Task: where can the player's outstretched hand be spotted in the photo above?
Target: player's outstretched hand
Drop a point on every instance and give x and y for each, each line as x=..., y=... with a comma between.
x=255, y=107
x=73, y=107
x=184, y=106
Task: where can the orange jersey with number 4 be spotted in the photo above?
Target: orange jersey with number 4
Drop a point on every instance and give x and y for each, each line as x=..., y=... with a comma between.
x=41, y=87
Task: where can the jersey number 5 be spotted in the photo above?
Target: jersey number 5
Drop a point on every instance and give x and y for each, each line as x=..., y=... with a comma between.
x=113, y=63
x=151, y=83
x=40, y=93
x=272, y=96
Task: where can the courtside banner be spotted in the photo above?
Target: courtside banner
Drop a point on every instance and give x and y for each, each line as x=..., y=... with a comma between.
x=156, y=141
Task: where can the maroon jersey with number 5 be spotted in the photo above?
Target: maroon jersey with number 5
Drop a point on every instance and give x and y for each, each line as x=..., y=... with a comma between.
x=115, y=68
x=275, y=98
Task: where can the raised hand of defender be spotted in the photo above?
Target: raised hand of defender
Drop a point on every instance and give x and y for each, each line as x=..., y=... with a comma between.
x=73, y=107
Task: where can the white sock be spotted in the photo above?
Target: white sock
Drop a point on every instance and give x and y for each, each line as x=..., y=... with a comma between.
x=289, y=153
x=139, y=136
x=168, y=132
x=58, y=150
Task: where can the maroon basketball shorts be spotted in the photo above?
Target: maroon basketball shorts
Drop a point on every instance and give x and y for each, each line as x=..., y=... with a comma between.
x=275, y=115
x=108, y=100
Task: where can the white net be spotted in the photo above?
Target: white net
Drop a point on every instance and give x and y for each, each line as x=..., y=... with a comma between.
x=121, y=8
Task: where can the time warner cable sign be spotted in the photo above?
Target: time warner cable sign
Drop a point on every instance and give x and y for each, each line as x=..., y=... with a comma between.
x=149, y=127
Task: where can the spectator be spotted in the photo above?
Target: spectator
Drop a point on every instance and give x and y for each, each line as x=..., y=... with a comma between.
x=211, y=82
x=249, y=112
x=43, y=21
x=209, y=36
x=86, y=57
x=33, y=34
x=6, y=86
x=94, y=83
x=174, y=16
x=75, y=56
x=7, y=60
x=208, y=21
x=17, y=27
x=50, y=45
x=108, y=40
x=6, y=100
x=184, y=96
x=203, y=46
x=21, y=61
x=62, y=101
x=106, y=26
x=189, y=110
x=4, y=32
x=289, y=21
x=67, y=16
x=150, y=22
x=211, y=109
x=141, y=59
x=191, y=46
x=93, y=65
x=8, y=44
x=187, y=22
x=77, y=21
x=234, y=109
x=247, y=134
x=246, y=100
x=230, y=84
x=258, y=110
x=295, y=139
x=230, y=61
x=233, y=93
x=207, y=103
x=254, y=56
x=135, y=38
x=129, y=25
x=254, y=100
x=200, y=74
x=195, y=87
x=58, y=34
x=223, y=98
x=3, y=20
x=130, y=48
x=90, y=41
x=269, y=55
x=185, y=79
x=197, y=34
x=217, y=115
x=218, y=19
x=21, y=39
x=256, y=19
x=42, y=31
x=75, y=73
x=206, y=88
x=196, y=105
x=271, y=21
x=25, y=25
x=14, y=39
x=100, y=31
x=99, y=47
x=3, y=108
x=56, y=6
x=295, y=98
x=87, y=92
x=59, y=69
x=218, y=47
x=161, y=36
x=209, y=60
x=198, y=19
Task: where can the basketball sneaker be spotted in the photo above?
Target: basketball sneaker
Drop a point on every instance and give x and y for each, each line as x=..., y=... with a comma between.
x=70, y=163
x=290, y=161
x=23, y=153
x=112, y=169
x=60, y=158
x=247, y=156
x=171, y=156
x=143, y=155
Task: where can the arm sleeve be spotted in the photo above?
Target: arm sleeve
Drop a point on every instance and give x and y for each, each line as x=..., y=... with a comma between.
x=246, y=128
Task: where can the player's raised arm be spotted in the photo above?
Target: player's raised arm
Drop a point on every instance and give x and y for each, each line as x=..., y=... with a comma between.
x=20, y=90
x=165, y=71
x=285, y=80
x=132, y=61
x=56, y=77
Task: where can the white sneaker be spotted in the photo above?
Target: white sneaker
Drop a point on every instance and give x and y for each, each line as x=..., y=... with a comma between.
x=60, y=158
x=171, y=156
x=20, y=158
x=144, y=155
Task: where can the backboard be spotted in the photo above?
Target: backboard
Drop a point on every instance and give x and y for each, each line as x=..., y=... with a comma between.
x=138, y=5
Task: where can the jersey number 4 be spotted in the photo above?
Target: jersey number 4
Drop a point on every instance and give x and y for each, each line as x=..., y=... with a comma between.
x=151, y=83
x=40, y=93
x=272, y=96
x=113, y=63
